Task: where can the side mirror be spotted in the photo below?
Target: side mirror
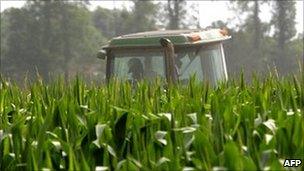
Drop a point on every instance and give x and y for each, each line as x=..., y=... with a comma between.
x=101, y=54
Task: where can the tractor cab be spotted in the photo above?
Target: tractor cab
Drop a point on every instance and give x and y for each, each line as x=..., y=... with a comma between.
x=173, y=55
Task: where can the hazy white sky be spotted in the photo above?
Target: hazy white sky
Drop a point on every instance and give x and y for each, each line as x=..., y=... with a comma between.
x=209, y=11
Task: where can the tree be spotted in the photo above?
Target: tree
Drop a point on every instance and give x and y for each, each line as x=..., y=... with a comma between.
x=3, y=43
x=176, y=13
x=104, y=21
x=284, y=22
x=253, y=22
x=16, y=62
x=141, y=17
x=49, y=36
x=143, y=13
x=78, y=37
x=250, y=47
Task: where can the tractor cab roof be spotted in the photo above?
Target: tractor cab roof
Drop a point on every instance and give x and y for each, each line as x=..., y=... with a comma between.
x=177, y=37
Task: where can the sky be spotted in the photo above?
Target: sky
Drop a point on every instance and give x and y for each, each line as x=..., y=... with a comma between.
x=209, y=11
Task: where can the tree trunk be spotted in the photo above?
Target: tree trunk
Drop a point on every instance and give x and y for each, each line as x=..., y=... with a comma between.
x=281, y=58
x=66, y=40
x=257, y=26
x=174, y=18
x=176, y=14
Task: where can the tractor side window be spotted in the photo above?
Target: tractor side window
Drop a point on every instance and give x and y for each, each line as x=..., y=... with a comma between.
x=188, y=64
x=205, y=63
x=213, y=63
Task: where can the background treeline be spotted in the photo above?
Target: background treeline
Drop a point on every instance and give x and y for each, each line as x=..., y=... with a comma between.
x=60, y=37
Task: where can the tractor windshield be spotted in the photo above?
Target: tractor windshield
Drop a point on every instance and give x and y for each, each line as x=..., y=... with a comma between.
x=137, y=65
x=205, y=62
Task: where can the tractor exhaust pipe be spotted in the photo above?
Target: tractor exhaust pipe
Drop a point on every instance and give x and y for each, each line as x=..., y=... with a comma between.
x=171, y=72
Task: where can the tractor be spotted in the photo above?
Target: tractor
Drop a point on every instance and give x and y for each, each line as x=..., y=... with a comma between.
x=171, y=55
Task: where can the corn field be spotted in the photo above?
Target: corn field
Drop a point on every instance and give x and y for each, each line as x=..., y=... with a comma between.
x=149, y=126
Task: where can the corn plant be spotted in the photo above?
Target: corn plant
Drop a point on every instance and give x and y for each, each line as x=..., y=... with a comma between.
x=150, y=126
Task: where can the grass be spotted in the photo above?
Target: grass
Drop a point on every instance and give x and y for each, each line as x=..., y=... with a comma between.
x=76, y=126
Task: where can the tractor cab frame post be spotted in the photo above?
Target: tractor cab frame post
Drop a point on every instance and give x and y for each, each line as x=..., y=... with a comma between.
x=109, y=65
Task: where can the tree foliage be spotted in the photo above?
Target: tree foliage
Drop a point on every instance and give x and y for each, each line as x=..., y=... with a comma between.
x=141, y=17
